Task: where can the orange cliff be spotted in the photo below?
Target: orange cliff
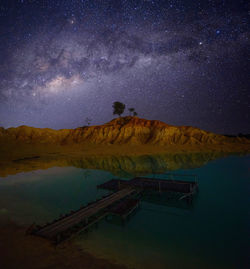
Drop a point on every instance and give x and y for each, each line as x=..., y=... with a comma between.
x=127, y=131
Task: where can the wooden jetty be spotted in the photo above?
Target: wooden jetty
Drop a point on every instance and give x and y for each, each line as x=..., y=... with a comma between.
x=122, y=202
x=79, y=220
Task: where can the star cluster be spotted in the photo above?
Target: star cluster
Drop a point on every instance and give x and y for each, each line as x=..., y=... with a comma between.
x=181, y=61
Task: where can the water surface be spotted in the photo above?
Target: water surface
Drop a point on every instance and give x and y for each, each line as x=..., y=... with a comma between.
x=212, y=233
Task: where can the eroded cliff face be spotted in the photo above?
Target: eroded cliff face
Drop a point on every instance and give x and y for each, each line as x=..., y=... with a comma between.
x=126, y=130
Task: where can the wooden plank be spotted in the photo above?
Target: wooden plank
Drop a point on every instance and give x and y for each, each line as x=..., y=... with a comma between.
x=82, y=229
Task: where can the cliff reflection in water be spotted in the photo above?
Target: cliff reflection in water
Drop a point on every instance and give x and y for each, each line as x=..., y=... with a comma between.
x=122, y=166
x=126, y=166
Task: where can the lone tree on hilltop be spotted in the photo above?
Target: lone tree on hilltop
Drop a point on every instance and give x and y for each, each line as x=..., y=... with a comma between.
x=118, y=108
x=131, y=110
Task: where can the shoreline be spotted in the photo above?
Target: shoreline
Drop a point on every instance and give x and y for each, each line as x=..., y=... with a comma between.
x=19, y=250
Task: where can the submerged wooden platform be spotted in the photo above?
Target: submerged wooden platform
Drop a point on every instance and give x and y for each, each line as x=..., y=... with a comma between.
x=185, y=187
x=125, y=207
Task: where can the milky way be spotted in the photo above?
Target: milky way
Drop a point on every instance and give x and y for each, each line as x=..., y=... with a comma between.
x=182, y=62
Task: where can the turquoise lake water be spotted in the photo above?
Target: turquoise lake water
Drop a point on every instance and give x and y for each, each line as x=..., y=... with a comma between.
x=213, y=233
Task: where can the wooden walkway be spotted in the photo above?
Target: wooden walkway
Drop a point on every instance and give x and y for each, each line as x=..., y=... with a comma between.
x=55, y=230
x=121, y=202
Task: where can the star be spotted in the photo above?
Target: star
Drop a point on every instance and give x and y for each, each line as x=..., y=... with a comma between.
x=161, y=57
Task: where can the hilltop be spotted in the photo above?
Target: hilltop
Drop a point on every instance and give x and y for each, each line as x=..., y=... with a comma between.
x=125, y=130
x=131, y=134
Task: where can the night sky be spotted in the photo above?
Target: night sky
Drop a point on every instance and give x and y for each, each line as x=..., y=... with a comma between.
x=184, y=62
